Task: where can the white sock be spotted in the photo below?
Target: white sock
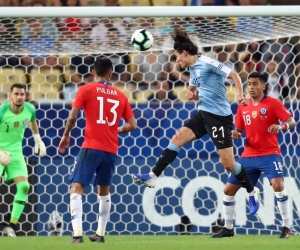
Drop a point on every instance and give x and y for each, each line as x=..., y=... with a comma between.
x=76, y=214
x=153, y=175
x=228, y=210
x=284, y=208
x=104, y=210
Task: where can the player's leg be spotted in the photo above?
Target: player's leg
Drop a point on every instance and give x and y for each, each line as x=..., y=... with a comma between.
x=230, y=190
x=192, y=129
x=76, y=192
x=228, y=210
x=104, y=175
x=283, y=205
x=18, y=172
x=104, y=212
x=272, y=168
x=81, y=176
x=219, y=128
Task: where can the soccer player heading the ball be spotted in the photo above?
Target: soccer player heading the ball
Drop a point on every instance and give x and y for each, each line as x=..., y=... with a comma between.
x=206, y=84
x=15, y=116
x=260, y=119
x=104, y=105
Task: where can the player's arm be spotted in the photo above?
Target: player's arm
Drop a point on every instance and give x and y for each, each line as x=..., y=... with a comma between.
x=284, y=115
x=239, y=125
x=129, y=118
x=236, y=133
x=289, y=123
x=192, y=91
x=71, y=120
x=39, y=144
x=239, y=86
x=65, y=140
x=128, y=126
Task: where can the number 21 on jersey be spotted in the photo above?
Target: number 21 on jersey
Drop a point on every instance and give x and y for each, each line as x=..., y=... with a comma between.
x=103, y=120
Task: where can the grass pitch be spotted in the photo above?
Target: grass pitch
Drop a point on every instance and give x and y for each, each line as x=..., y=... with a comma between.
x=138, y=242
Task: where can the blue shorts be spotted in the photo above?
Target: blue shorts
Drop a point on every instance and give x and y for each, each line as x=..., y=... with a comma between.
x=93, y=161
x=271, y=165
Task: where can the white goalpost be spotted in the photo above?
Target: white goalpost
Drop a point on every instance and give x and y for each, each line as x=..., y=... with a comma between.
x=51, y=49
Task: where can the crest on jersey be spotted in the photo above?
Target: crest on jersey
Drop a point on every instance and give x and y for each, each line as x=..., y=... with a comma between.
x=16, y=124
x=198, y=72
x=263, y=111
x=26, y=122
x=254, y=114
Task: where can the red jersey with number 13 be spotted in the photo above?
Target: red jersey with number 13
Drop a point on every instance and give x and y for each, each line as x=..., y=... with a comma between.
x=103, y=105
x=255, y=120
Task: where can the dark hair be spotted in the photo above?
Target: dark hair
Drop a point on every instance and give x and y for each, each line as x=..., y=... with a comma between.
x=103, y=66
x=18, y=86
x=262, y=77
x=183, y=42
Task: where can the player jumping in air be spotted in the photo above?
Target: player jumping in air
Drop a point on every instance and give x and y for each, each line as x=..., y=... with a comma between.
x=104, y=105
x=262, y=153
x=206, y=83
x=15, y=116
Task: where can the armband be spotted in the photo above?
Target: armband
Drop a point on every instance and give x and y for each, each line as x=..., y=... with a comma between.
x=286, y=126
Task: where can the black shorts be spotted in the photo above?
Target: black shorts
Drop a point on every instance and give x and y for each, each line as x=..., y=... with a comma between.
x=218, y=127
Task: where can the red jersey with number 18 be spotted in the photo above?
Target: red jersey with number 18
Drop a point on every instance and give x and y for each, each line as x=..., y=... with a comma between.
x=103, y=105
x=255, y=120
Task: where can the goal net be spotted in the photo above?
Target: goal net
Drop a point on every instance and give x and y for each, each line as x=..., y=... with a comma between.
x=53, y=55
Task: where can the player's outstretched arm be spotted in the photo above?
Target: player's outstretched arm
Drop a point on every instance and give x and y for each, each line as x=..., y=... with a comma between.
x=128, y=126
x=39, y=145
x=65, y=140
x=239, y=86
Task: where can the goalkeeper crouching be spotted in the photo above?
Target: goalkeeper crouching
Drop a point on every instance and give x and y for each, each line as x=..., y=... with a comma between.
x=15, y=116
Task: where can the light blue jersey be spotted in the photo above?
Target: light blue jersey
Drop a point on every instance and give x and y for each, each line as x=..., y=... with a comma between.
x=209, y=75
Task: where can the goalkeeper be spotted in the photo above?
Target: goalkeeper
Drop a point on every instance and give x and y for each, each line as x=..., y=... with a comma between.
x=15, y=116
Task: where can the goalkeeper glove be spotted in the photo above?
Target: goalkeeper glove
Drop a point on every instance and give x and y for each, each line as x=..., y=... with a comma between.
x=39, y=145
x=4, y=158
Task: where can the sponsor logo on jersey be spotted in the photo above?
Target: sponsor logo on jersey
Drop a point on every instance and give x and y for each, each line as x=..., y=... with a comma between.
x=220, y=66
x=26, y=122
x=263, y=111
x=198, y=72
x=16, y=124
x=254, y=114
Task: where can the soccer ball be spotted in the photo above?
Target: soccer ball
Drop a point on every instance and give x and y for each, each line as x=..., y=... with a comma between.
x=142, y=39
x=55, y=224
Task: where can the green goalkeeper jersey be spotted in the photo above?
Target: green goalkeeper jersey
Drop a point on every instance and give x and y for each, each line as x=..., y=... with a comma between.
x=12, y=126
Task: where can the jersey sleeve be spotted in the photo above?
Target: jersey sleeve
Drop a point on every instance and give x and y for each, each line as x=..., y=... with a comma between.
x=239, y=121
x=79, y=98
x=127, y=112
x=3, y=109
x=192, y=81
x=218, y=68
x=281, y=111
x=32, y=110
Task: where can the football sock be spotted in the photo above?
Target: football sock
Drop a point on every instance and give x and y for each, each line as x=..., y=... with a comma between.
x=167, y=156
x=283, y=205
x=76, y=214
x=241, y=174
x=228, y=210
x=104, y=210
x=19, y=201
x=153, y=176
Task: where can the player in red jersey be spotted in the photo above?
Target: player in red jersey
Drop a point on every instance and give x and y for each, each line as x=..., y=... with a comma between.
x=260, y=119
x=104, y=105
